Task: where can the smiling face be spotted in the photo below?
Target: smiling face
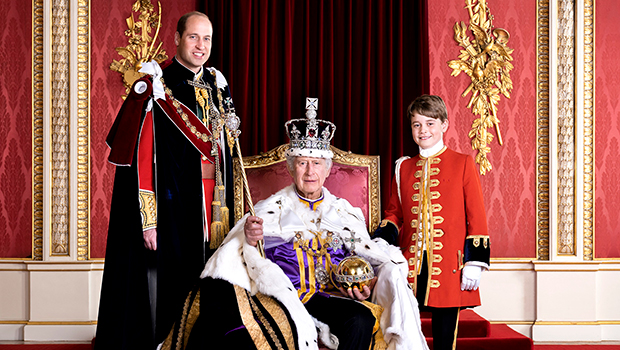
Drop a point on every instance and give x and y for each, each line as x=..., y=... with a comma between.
x=309, y=175
x=426, y=131
x=194, y=44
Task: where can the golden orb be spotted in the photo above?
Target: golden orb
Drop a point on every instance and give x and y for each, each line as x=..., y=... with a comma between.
x=354, y=271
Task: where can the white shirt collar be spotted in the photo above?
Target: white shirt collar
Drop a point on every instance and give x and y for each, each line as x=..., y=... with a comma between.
x=433, y=150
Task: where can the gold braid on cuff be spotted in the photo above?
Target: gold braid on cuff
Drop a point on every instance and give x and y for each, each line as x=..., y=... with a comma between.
x=148, y=209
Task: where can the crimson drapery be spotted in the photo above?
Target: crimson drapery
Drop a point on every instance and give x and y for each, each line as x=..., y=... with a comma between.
x=365, y=60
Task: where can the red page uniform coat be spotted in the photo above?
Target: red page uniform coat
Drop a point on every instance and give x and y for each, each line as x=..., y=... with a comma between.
x=442, y=209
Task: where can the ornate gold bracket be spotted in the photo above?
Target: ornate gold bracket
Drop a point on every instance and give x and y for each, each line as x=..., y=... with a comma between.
x=140, y=46
x=486, y=60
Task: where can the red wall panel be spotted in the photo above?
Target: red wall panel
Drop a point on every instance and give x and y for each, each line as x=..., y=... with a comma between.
x=606, y=129
x=15, y=129
x=510, y=188
x=107, y=32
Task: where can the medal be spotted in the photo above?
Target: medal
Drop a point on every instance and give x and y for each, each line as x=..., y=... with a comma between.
x=320, y=273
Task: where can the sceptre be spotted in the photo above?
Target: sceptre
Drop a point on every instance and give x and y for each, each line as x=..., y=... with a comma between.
x=232, y=123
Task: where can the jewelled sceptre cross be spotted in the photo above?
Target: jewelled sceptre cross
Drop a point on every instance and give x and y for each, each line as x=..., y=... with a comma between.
x=232, y=123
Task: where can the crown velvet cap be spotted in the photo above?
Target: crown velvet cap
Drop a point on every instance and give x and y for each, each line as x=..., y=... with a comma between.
x=310, y=137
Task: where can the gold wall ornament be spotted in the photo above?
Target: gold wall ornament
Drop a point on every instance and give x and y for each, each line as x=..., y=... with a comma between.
x=141, y=44
x=486, y=60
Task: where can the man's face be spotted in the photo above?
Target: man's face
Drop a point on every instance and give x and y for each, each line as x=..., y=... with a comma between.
x=194, y=45
x=426, y=131
x=309, y=175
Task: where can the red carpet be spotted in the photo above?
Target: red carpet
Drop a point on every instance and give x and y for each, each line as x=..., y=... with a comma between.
x=575, y=347
x=64, y=346
x=476, y=333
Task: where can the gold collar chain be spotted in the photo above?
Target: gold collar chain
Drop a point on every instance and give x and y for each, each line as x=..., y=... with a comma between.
x=325, y=244
x=217, y=124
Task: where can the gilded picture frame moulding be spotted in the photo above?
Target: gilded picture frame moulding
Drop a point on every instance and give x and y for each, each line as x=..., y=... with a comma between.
x=83, y=130
x=37, y=130
x=566, y=96
x=589, y=136
x=542, y=137
x=66, y=225
x=60, y=130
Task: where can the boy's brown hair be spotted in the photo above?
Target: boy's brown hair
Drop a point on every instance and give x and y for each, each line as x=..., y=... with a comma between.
x=431, y=106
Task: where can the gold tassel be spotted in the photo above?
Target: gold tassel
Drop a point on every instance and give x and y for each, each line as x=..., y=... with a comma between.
x=225, y=215
x=217, y=227
x=219, y=222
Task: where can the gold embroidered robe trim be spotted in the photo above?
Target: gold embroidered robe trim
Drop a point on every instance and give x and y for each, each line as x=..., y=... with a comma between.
x=278, y=314
x=247, y=316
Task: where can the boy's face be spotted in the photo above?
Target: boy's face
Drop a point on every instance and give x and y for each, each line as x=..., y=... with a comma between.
x=426, y=131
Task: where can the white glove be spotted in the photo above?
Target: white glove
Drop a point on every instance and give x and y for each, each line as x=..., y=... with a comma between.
x=470, y=278
x=381, y=242
x=154, y=69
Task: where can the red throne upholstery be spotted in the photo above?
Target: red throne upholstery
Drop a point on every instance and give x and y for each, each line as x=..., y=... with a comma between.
x=353, y=177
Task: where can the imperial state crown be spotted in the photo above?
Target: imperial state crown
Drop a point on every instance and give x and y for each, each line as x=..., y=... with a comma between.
x=310, y=137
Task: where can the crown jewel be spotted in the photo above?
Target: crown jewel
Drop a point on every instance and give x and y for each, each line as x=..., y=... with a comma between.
x=310, y=137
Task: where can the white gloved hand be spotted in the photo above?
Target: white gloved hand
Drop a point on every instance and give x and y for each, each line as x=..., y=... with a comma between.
x=470, y=278
x=154, y=69
x=381, y=242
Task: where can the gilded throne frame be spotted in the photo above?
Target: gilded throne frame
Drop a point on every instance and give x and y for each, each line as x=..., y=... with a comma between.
x=347, y=167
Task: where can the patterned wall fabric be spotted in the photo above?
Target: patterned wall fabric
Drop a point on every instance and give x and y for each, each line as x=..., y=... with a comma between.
x=15, y=129
x=107, y=26
x=510, y=188
x=607, y=129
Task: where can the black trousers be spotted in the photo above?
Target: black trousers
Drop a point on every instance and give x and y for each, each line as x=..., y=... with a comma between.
x=349, y=320
x=444, y=320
